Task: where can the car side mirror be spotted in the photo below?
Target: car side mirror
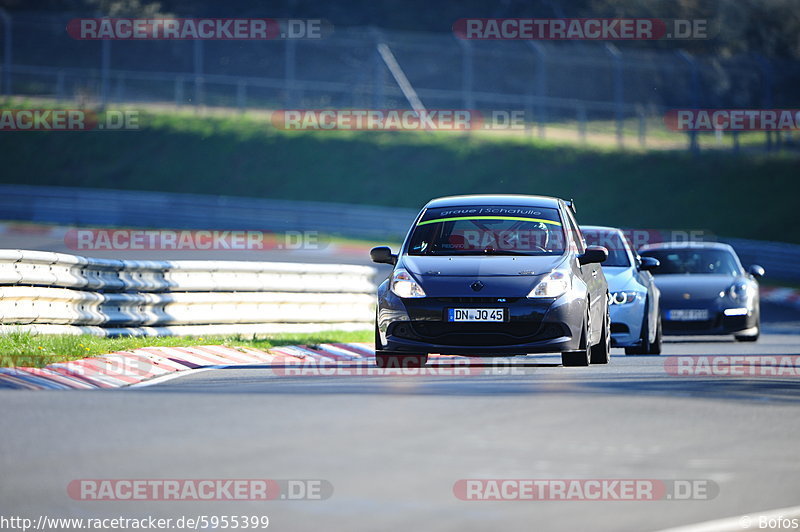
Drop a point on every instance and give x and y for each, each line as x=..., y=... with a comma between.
x=756, y=271
x=593, y=255
x=649, y=264
x=383, y=255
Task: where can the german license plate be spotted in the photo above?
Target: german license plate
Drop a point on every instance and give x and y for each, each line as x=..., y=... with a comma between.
x=475, y=314
x=688, y=315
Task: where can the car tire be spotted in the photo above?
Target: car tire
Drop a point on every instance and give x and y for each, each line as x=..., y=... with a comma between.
x=601, y=353
x=646, y=347
x=389, y=360
x=582, y=356
x=378, y=344
x=655, y=347
x=751, y=337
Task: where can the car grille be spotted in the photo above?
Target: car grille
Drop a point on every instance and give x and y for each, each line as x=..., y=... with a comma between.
x=619, y=328
x=704, y=325
x=478, y=334
x=473, y=300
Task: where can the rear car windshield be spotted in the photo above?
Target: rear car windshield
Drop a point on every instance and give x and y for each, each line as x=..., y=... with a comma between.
x=488, y=230
x=717, y=261
x=613, y=242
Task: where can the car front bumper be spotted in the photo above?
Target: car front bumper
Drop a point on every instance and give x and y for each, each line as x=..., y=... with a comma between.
x=716, y=324
x=531, y=326
x=626, y=323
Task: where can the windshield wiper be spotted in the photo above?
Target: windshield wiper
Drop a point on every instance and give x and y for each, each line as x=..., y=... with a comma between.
x=479, y=253
x=503, y=252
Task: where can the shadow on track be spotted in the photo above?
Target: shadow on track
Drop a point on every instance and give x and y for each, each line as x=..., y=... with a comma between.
x=493, y=380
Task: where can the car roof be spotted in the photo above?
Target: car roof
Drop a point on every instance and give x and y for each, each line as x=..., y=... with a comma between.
x=687, y=245
x=520, y=200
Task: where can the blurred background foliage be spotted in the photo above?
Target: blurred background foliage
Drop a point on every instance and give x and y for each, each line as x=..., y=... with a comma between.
x=767, y=27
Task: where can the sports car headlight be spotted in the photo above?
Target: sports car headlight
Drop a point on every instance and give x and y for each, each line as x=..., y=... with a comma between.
x=403, y=285
x=554, y=284
x=739, y=291
x=622, y=298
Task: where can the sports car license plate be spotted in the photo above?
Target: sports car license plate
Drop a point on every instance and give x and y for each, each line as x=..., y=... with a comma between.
x=688, y=315
x=475, y=314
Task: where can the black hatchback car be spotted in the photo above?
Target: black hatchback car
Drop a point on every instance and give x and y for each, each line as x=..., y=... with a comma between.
x=493, y=276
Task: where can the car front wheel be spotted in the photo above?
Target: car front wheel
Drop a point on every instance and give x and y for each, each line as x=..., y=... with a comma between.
x=646, y=347
x=751, y=337
x=601, y=353
x=655, y=347
x=582, y=356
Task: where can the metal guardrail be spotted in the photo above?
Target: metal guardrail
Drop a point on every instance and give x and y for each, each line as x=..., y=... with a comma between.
x=238, y=329
x=780, y=260
x=45, y=289
x=122, y=208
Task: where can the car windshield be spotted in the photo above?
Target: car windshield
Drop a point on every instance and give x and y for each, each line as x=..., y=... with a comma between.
x=613, y=242
x=709, y=261
x=488, y=230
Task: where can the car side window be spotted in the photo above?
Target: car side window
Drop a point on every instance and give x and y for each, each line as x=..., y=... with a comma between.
x=575, y=234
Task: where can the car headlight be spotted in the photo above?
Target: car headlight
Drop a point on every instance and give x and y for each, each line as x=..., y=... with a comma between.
x=739, y=291
x=405, y=286
x=622, y=298
x=554, y=284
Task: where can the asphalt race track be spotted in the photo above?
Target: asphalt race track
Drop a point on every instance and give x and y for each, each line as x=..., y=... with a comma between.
x=392, y=447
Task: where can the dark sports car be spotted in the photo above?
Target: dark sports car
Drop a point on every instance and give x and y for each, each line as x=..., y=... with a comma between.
x=489, y=276
x=705, y=290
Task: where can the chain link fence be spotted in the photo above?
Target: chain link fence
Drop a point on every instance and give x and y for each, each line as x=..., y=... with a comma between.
x=583, y=88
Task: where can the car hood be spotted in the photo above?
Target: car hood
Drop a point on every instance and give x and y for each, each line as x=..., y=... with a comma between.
x=698, y=286
x=501, y=276
x=620, y=278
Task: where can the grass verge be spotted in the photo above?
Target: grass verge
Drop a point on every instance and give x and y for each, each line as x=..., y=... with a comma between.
x=29, y=350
